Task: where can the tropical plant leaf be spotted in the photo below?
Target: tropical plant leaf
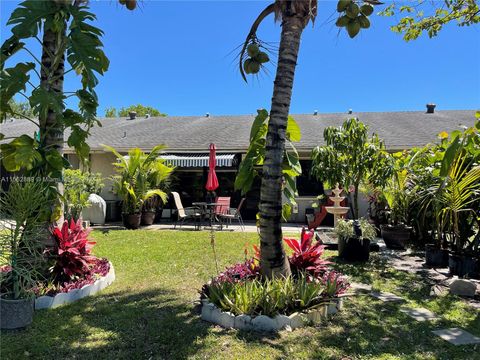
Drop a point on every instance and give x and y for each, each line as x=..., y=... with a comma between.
x=27, y=17
x=293, y=130
x=259, y=126
x=12, y=81
x=9, y=48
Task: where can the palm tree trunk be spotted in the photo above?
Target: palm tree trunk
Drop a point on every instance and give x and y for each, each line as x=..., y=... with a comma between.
x=273, y=261
x=52, y=77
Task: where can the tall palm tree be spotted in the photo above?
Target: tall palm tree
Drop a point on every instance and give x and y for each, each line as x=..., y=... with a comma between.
x=294, y=15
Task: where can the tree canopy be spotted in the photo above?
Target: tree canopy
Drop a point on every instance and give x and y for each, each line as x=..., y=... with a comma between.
x=421, y=16
x=140, y=109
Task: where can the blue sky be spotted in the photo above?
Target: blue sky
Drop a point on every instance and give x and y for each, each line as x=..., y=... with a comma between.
x=180, y=57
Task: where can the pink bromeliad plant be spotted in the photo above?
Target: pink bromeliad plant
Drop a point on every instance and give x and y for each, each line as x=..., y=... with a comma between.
x=307, y=255
x=72, y=251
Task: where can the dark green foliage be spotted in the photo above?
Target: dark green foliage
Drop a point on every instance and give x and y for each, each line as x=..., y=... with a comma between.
x=256, y=154
x=21, y=237
x=351, y=158
x=81, y=44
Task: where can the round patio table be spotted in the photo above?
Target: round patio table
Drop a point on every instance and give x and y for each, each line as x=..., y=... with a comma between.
x=208, y=210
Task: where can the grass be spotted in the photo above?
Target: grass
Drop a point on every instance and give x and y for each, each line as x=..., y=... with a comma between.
x=151, y=312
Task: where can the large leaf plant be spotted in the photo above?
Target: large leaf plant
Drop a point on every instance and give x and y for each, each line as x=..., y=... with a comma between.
x=140, y=177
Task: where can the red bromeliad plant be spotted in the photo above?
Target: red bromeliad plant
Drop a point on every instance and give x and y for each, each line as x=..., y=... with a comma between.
x=306, y=255
x=72, y=251
x=335, y=283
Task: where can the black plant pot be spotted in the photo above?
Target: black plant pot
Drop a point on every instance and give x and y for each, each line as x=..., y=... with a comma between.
x=354, y=249
x=131, y=221
x=148, y=217
x=463, y=265
x=16, y=314
x=395, y=236
x=435, y=257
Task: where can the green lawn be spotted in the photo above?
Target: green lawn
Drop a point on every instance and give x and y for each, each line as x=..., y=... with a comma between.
x=151, y=311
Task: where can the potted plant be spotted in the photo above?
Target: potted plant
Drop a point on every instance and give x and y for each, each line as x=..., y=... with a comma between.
x=397, y=233
x=354, y=237
x=135, y=173
x=149, y=210
x=25, y=207
x=159, y=177
x=457, y=200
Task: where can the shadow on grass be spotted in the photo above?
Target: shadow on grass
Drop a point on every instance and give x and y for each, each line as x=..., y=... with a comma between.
x=120, y=325
x=369, y=328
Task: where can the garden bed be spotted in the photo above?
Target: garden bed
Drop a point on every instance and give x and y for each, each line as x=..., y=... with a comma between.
x=213, y=314
x=102, y=276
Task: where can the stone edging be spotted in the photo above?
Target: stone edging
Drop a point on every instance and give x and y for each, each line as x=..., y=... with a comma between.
x=49, y=302
x=228, y=320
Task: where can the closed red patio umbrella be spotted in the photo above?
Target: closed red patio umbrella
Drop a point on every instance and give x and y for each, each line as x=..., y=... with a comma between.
x=212, y=181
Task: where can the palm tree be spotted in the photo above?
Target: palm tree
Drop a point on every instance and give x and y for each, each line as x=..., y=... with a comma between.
x=136, y=175
x=294, y=16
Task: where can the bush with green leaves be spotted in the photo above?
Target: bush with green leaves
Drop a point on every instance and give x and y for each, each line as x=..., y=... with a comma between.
x=24, y=210
x=351, y=158
x=270, y=297
x=452, y=196
x=78, y=185
x=140, y=177
x=344, y=229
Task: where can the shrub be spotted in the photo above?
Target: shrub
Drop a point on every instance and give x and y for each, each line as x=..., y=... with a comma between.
x=271, y=297
x=78, y=186
x=72, y=251
x=25, y=208
x=335, y=283
x=306, y=255
x=345, y=230
x=241, y=271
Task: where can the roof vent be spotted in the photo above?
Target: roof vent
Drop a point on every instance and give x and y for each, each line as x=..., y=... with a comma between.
x=315, y=112
x=207, y=115
x=147, y=116
x=133, y=115
x=350, y=111
x=431, y=108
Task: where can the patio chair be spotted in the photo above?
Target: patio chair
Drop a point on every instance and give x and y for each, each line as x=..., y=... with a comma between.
x=222, y=208
x=234, y=214
x=184, y=214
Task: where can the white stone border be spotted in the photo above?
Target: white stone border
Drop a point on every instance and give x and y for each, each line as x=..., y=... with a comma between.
x=213, y=314
x=50, y=302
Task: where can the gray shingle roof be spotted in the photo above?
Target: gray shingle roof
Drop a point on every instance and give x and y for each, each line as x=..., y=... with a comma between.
x=399, y=130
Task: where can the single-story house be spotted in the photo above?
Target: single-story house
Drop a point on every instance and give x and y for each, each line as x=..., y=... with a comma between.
x=188, y=137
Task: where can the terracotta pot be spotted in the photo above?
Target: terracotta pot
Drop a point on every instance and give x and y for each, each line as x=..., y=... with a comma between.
x=395, y=236
x=148, y=217
x=435, y=257
x=132, y=221
x=16, y=314
x=463, y=265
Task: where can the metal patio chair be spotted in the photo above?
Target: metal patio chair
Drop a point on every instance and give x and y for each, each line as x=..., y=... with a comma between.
x=234, y=214
x=184, y=214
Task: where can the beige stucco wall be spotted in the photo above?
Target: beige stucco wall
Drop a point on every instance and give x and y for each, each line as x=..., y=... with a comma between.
x=102, y=163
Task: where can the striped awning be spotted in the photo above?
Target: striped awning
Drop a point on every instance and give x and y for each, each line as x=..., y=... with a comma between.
x=197, y=160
